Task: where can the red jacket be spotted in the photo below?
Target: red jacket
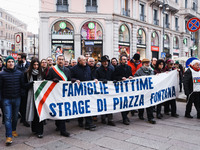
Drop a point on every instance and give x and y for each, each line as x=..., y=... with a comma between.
x=134, y=66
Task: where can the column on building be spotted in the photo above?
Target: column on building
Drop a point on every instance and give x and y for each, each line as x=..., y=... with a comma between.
x=134, y=40
x=108, y=38
x=115, y=38
x=148, y=43
x=45, y=45
x=77, y=43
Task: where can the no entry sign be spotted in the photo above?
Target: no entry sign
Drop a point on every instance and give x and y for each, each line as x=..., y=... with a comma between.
x=193, y=24
x=19, y=42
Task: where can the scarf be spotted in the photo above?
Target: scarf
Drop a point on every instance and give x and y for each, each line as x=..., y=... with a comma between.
x=35, y=72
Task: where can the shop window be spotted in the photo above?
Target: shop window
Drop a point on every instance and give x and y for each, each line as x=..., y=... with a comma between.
x=62, y=5
x=91, y=6
x=62, y=40
x=92, y=39
x=141, y=37
x=176, y=42
x=124, y=41
x=154, y=39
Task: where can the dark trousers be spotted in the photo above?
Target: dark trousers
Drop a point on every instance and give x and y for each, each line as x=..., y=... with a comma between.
x=109, y=116
x=171, y=103
x=88, y=121
x=22, y=109
x=124, y=115
x=60, y=124
x=37, y=126
x=194, y=98
x=1, y=106
x=158, y=109
x=149, y=113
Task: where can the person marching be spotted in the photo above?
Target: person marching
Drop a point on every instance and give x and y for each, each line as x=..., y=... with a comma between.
x=145, y=70
x=11, y=90
x=121, y=73
x=33, y=74
x=191, y=83
x=104, y=73
x=56, y=73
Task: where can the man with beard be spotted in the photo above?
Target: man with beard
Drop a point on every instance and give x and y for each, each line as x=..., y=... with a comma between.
x=121, y=73
x=60, y=73
x=22, y=66
x=145, y=70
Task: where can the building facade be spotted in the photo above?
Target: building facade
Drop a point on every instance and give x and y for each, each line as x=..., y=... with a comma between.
x=32, y=45
x=9, y=25
x=116, y=27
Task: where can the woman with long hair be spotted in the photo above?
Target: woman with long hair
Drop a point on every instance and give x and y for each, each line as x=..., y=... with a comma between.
x=33, y=74
x=159, y=68
x=1, y=106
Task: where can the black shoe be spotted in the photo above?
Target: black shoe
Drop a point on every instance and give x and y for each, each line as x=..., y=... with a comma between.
x=66, y=134
x=40, y=135
x=175, y=115
x=166, y=113
x=26, y=124
x=141, y=117
x=159, y=116
x=80, y=124
x=103, y=121
x=90, y=127
x=152, y=121
x=126, y=122
x=188, y=116
x=132, y=112
x=111, y=123
x=128, y=119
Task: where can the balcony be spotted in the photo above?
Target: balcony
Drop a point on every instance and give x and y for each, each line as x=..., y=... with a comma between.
x=173, y=7
x=62, y=8
x=156, y=22
x=126, y=12
x=91, y=9
x=142, y=17
x=189, y=13
x=167, y=25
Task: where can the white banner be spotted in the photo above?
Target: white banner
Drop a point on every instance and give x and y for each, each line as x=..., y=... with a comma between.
x=64, y=100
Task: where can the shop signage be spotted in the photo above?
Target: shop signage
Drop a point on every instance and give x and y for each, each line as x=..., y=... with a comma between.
x=154, y=34
x=125, y=44
x=155, y=48
x=176, y=51
x=141, y=46
x=62, y=42
x=123, y=28
x=62, y=25
x=140, y=32
x=91, y=25
x=185, y=41
x=14, y=55
x=89, y=42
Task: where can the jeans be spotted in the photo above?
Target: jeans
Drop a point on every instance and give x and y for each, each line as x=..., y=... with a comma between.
x=11, y=109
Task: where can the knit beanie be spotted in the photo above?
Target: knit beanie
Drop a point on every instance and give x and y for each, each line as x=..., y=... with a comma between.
x=9, y=57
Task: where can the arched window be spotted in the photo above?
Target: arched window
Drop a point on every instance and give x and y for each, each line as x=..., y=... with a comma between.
x=154, y=39
x=176, y=42
x=166, y=41
x=141, y=37
x=124, y=35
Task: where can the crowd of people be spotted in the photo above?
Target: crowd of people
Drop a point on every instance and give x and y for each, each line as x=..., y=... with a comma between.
x=17, y=95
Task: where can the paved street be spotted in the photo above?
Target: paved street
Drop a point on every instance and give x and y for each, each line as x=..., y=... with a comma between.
x=169, y=133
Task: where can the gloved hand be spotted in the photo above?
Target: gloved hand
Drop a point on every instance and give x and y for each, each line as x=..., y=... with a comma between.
x=55, y=80
x=114, y=81
x=104, y=81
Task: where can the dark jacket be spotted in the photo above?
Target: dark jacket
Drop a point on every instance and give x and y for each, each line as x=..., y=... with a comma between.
x=11, y=83
x=142, y=71
x=187, y=82
x=23, y=69
x=103, y=74
x=82, y=73
x=156, y=71
x=122, y=71
x=93, y=71
x=52, y=74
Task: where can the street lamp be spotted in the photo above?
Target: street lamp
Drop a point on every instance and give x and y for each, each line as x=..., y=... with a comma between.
x=165, y=7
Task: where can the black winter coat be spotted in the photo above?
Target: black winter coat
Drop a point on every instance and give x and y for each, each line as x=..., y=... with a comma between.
x=11, y=83
x=23, y=69
x=82, y=73
x=122, y=71
x=187, y=82
x=52, y=74
x=103, y=74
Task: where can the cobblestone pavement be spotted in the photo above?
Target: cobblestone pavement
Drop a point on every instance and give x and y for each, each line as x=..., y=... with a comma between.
x=169, y=133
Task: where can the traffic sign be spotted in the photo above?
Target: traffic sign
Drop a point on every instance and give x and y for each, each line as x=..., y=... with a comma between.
x=193, y=24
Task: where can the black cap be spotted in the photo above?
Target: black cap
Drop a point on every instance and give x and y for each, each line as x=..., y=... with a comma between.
x=105, y=58
x=136, y=56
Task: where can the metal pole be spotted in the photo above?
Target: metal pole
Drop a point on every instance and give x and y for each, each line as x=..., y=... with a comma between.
x=163, y=23
x=34, y=45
